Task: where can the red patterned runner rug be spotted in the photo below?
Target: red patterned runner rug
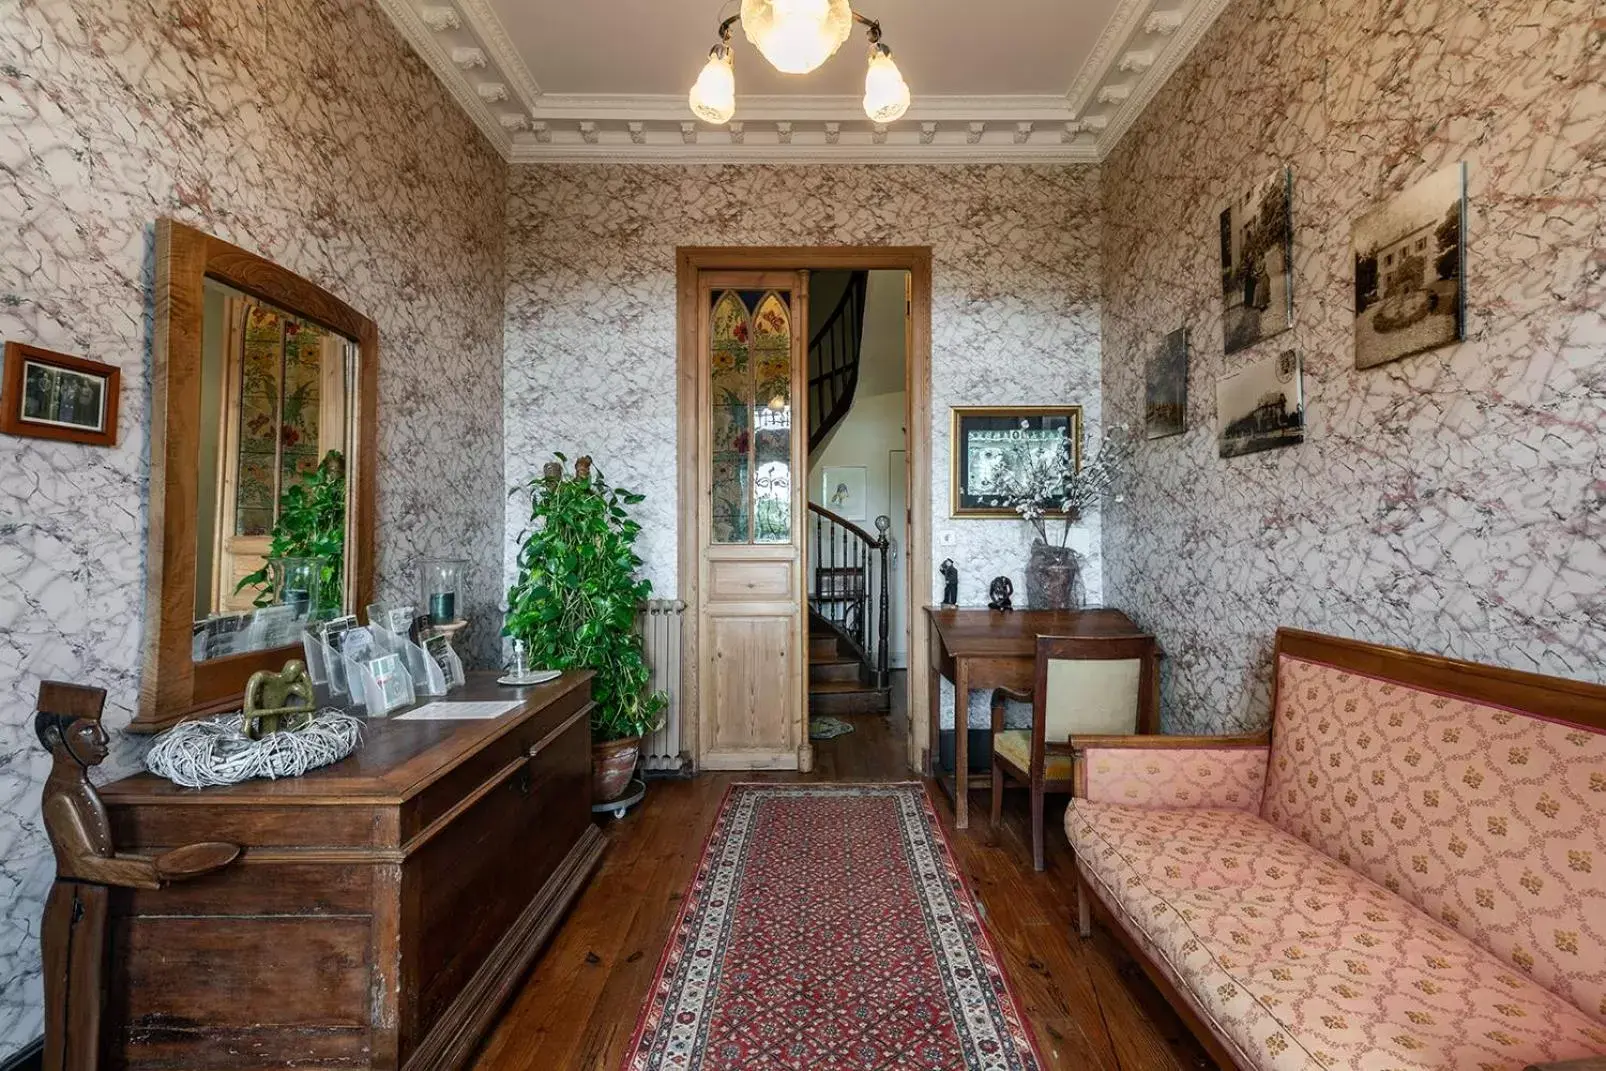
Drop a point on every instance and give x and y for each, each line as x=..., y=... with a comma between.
x=827, y=929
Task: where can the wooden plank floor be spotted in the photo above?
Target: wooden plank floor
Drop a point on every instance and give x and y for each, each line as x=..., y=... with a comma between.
x=1087, y=1007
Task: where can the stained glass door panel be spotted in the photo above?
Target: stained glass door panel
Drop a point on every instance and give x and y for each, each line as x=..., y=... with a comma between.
x=750, y=380
x=751, y=609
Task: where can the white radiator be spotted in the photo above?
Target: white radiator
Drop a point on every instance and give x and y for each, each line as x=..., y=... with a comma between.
x=659, y=623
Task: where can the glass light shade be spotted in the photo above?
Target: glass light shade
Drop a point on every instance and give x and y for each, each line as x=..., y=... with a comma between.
x=886, y=95
x=797, y=36
x=713, y=97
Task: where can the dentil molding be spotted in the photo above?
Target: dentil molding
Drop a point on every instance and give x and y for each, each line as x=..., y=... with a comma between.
x=464, y=44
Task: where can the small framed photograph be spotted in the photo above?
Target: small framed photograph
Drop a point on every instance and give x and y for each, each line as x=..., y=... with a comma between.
x=842, y=491
x=985, y=441
x=50, y=395
x=1262, y=406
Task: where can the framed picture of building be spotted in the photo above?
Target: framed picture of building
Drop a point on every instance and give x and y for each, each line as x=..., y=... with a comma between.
x=1410, y=270
x=1257, y=262
x=47, y=395
x=988, y=442
x=1261, y=407
x=1165, y=408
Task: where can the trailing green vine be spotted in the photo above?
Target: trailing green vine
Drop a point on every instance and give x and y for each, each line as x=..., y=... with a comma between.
x=574, y=601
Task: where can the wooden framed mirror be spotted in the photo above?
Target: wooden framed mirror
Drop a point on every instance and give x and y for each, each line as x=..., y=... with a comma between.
x=263, y=449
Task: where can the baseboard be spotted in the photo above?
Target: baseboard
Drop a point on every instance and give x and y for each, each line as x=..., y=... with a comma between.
x=31, y=1057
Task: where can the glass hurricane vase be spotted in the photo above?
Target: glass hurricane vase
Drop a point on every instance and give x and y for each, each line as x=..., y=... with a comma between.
x=1052, y=578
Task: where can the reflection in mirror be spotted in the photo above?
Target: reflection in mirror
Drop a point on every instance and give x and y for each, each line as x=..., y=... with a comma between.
x=277, y=430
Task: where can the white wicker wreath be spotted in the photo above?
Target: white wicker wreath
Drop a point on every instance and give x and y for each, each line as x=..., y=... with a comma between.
x=215, y=751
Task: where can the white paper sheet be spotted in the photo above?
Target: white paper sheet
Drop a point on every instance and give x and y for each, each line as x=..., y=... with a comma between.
x=463, y=711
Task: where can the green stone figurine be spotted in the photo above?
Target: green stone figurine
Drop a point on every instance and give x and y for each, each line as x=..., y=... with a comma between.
x=278, y=702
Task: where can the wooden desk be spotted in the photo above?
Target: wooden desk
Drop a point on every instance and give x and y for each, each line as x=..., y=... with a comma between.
x=980, y=650
x=383, y=909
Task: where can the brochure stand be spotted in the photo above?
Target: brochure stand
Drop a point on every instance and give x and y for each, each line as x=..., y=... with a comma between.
x=379, y=682
x=429, y=678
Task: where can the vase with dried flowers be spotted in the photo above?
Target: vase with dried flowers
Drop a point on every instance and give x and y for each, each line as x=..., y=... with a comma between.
x=1052, y=495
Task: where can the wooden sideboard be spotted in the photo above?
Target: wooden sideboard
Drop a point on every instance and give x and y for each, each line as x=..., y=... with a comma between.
x=383, y=908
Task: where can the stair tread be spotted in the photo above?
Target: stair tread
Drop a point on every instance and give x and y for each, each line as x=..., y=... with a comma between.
x=844, y=686
x=832, y=660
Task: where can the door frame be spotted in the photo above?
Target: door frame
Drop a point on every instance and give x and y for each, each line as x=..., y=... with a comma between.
x=690, y=262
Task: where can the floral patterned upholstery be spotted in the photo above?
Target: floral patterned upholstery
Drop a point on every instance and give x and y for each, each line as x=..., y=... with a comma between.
x=1224, y=777
x=1299, y=962
x=1489, y=820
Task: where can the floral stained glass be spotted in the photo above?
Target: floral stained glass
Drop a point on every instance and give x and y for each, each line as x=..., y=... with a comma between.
x=281, y=376
x=751, y=374
x=731, y=374
x=772, y=448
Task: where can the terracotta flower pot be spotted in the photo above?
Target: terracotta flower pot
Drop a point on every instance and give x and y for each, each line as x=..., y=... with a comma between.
x=612, y=763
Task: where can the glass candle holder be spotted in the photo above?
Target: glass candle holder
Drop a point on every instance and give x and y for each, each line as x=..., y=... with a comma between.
x=440, y=589
x=295, y=583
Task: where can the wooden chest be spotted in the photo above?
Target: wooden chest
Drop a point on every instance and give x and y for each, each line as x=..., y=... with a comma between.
x=383, y=908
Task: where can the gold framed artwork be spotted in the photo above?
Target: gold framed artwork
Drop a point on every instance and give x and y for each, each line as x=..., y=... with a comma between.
x=984, y=439
x=49, y=395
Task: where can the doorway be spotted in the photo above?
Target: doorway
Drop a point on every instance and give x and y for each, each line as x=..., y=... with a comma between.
x=747, y=582
x=858, y=358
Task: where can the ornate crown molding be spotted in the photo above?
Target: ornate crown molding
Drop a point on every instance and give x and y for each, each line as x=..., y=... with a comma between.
x=465, y=45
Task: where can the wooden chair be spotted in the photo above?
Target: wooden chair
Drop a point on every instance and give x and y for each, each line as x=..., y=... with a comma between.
x=1082, y=685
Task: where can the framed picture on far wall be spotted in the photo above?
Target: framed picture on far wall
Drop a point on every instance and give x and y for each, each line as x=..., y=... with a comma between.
x=1165, y=408
x=987, y=440
x=1410, y=270
x=1257, y=262
x=842, y=491
x=1261, y=407
x=50, y=395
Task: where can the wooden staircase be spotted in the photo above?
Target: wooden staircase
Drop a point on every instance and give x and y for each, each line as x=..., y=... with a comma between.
x=834, y=362
x=838, y=679
x=847, y=657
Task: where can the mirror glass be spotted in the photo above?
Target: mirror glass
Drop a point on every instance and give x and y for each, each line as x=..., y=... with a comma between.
x=274, y=504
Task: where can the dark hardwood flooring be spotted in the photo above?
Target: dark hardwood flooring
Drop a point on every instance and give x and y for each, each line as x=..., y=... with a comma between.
x=1088, y=1007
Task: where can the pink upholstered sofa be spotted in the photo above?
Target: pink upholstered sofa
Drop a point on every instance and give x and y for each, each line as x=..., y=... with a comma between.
x=1409, y=874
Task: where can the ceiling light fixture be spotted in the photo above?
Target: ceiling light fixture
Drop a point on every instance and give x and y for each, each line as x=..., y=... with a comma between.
x=796, y=36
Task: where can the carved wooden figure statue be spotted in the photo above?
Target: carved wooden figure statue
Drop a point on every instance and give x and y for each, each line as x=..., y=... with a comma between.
x=87, y=863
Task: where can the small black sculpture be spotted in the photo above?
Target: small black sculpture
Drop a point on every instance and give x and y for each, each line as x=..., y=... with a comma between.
x=1000, y=590
x=950, y=584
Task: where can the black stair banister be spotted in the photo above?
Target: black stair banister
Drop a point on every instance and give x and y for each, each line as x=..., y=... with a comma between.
x=834, y=361
x=850, y=578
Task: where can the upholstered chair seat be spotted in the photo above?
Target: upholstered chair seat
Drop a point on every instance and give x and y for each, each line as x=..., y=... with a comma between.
x=1105, y=685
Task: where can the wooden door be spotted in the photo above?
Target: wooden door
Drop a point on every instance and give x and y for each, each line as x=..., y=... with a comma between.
x=752, y=334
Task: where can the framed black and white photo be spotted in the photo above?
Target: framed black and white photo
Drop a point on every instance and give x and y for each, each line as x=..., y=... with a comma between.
x=1165, y=407
x=1257, y=262
x=1261, y=407
x=1410, y=270
x=50, y=395
x=984, y=438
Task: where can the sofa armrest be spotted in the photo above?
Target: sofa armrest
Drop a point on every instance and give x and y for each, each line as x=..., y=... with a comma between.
x=1184, y=772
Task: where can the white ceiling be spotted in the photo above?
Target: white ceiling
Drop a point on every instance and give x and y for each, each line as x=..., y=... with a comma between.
x=993, y=80
x=944, y=47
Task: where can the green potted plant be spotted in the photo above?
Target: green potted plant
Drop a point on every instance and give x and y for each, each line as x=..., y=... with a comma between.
x=573, y=606
x=311, y=524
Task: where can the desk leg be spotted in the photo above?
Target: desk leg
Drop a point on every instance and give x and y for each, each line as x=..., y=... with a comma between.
x=934, y=718
x=961, y=744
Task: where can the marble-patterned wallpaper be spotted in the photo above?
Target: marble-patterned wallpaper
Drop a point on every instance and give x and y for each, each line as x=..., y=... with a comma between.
x=590, y=346
x=305, y=130
x=1452, y=502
